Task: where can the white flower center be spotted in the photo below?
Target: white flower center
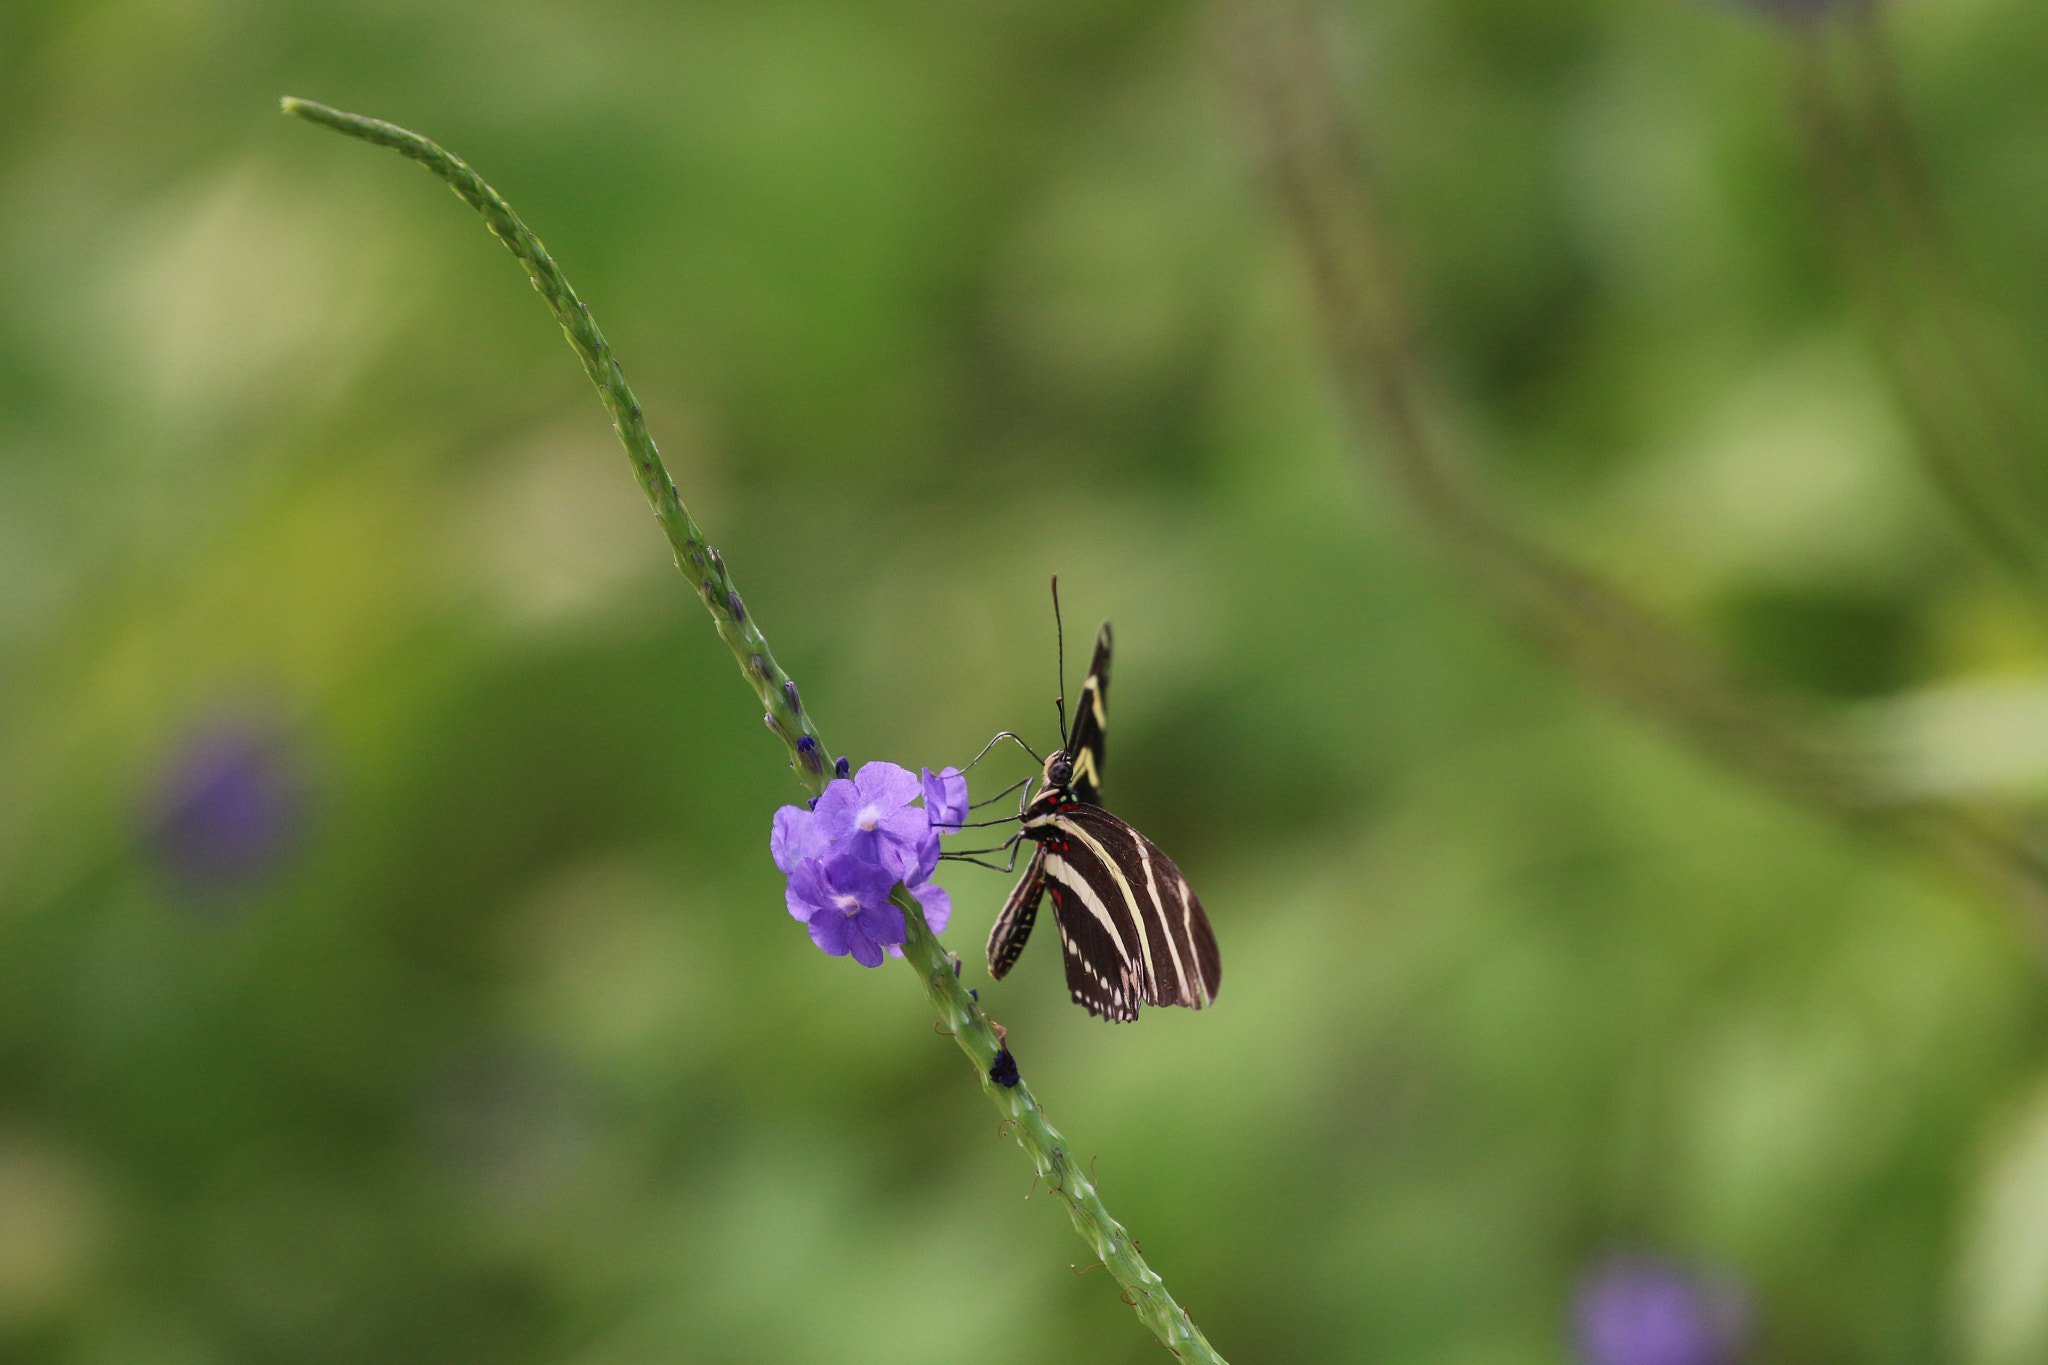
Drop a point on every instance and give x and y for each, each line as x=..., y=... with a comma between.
x=849, y=904
x=870, y=816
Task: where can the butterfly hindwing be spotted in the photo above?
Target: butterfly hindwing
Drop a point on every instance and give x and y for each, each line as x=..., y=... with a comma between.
x=1020, y=912
x=1131, y=929
x=1095, y=978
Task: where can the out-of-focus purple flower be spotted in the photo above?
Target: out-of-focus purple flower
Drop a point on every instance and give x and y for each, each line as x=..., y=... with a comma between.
x=870, y=816
x=845, y=901
x=945, y=797
x=1644, y=1310
x=230, y=805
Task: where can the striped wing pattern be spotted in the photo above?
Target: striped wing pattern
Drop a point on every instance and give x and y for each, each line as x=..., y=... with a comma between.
x=1087, y=746
x=1131, y=929
x=1020, y=912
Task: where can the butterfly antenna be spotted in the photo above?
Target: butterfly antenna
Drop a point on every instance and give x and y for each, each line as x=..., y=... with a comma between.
x=1060, y=631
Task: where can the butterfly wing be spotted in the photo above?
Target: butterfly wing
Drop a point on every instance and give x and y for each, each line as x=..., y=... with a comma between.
x=1020, y=912
x=1085, y=746
x=1131, y=929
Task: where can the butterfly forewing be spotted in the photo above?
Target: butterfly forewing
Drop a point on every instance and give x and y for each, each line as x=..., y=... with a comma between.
x=1085, y=746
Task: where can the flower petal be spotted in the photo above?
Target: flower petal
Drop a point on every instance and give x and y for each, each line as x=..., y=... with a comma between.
x=807, y=892
x=838, y=808
x=882, y=924
x=938, y=906
x=945, y=797
x=849, y=874
x=886, y=784
x=908, y=846
x=832, y=932
x=795, y=838
x=865, y=950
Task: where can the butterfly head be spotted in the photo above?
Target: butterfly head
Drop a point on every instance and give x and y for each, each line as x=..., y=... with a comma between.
x=1059, y=770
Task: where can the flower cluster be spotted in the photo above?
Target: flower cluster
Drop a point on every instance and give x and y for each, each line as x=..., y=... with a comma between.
x=846, y=853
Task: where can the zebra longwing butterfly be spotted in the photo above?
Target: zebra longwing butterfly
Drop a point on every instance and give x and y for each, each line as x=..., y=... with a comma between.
x=1130, y=928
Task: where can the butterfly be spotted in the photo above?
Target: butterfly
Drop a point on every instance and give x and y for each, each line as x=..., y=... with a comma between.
x=1130, y=927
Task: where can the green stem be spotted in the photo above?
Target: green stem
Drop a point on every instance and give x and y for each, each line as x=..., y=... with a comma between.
x=700, y=563
x=978, y=1037
x=981, y=1040
x=1879, y=221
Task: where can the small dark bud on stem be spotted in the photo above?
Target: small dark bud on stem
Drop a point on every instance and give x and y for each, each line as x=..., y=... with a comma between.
x=1003, y=1070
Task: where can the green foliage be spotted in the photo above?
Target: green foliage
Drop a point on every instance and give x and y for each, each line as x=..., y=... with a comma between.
x=925, y=302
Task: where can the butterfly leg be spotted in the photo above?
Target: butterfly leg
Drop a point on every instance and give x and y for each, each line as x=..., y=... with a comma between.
x=1000, y=736
x=1013, y=843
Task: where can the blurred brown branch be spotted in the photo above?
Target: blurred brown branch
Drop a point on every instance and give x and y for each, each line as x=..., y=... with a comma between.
x=1279, y=52
x=1881, y=224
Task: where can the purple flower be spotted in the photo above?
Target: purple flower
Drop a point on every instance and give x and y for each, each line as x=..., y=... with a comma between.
x=938, y=906
x=796, y=838
x=845, y=900
x=846, y=853
x=945, y=797
x=1645, y=1310
x=869, y=815
x=230, y=806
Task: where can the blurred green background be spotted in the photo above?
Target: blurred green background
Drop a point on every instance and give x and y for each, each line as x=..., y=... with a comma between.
x=391, y=965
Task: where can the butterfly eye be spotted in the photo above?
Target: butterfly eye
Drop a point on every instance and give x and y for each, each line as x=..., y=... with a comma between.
x=1059, y=771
